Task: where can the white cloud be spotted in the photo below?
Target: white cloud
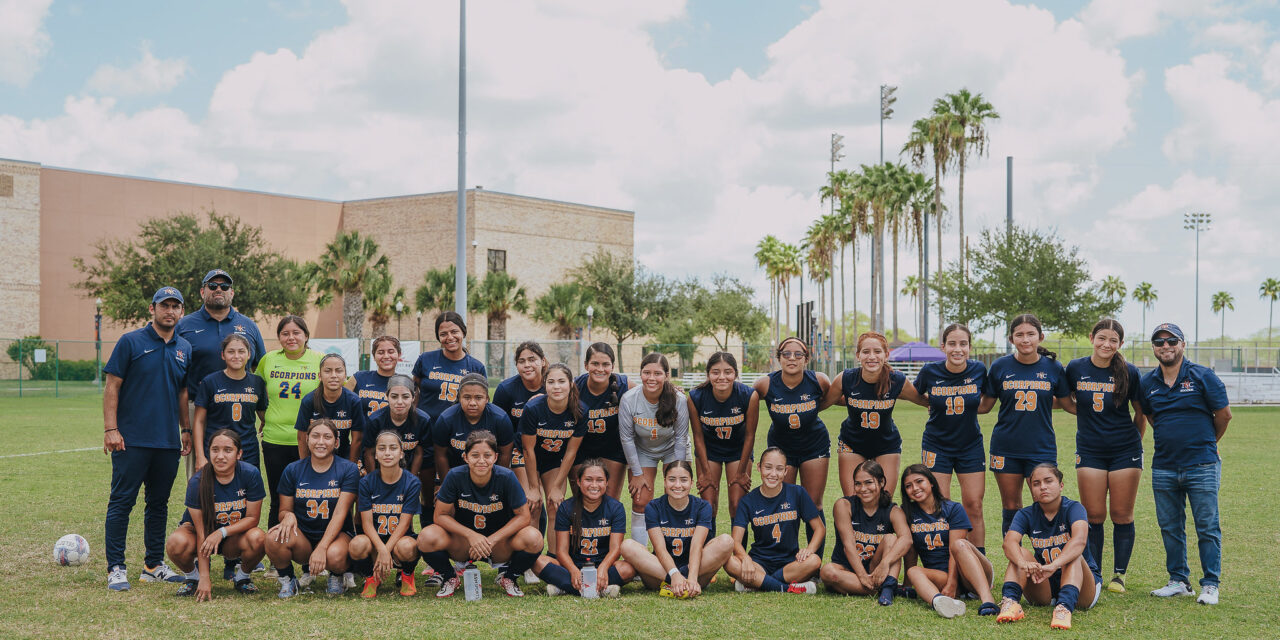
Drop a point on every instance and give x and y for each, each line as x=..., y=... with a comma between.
x=149, y=75
x=1271, y=68
x=1249, y=37
x=1111, y=21
x=23, y=39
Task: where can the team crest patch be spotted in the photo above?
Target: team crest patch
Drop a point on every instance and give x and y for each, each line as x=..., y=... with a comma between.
x=240, y=328
x=841, y=447
x=1185, y=385
x=997, y=462
x=785, y=505
x=342, y=414
x=735, y=410
x=1042, y=375
x=804, y=396
x=929, y=458
x=179, y=356
x=333, y=483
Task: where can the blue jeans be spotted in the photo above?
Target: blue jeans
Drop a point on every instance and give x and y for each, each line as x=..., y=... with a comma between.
x=130, y=469
x=1173, y=489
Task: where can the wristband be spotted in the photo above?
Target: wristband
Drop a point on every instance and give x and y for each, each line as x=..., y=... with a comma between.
x=223, y=531
x=672, y=573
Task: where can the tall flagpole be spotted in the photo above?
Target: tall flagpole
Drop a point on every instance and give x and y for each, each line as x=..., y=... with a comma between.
x=460, y=260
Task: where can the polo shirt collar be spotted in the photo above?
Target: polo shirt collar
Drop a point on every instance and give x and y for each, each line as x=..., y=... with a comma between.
x=151, y=333
x=204, y=314
x=1183, y=372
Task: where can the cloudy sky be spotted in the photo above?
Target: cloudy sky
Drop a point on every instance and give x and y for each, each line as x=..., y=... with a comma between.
x=711, y=119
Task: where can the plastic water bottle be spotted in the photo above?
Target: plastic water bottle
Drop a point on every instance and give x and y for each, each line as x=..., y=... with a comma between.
x=471, y=582
x=589, y=581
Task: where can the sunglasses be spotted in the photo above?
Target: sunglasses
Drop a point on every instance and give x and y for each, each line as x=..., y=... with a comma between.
x=792, y=355
x=214, y=286
x=1160, y=342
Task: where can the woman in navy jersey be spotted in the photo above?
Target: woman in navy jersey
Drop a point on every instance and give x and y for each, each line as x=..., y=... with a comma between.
x=371, y=386
x=948, y=563
x=1056, y=570
x=723, y=439
x=589, y=528
x=687, y=553
x=871, y=538
x=952, y=440
x=869, y=393
x=792, y=396
x=413, y=426
x=514, y=392
x=472, y=413
x=315, y=497
x=601, y=391
x=438, y=373
x=1028, y=383
x=773, y=513
x=230, y=399
x=1108, y=442
x=224, y=504
x=386, y=501
x=482, y=515
x=551, y=431
x=334, y=402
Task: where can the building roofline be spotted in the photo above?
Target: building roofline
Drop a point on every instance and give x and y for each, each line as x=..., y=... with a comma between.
x=188, y=184
x=26, y=162
x=500, y=193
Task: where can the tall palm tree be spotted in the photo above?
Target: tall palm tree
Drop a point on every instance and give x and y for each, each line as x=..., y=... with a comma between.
x=1145, y=294
x=1270, y=290
x=381, y=303
x=767, y=258
x=497, y=296
x=564, y=307
x=900, y=190
x=437, y=288
x=349, y=264
x=790, y=266
x=928, y=141
x=966, y=124
x=1113, y=287
x=911, y=289
x=919, y=190
x=1223, y=302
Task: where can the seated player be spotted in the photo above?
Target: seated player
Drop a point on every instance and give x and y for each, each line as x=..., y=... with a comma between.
x=774, y=512
x=948, y=561
x=589, y=528
x=387, y=502
x=871, y=538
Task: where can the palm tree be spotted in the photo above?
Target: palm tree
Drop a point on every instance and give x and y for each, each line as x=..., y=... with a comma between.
x=1145, y=294
x=911, y=289
x=564, y=307
x=1270, y=290
x=919, y=191
x=767, y=258
x=349, y=264
x=381, y=303
x=497, y=296
x=1223, y=302
x=966, y=124
x=437, y=289
x=1113, y=287
x=789, y=266
x=928, y=141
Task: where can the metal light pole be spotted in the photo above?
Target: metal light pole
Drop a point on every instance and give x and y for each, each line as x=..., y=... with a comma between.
x=591, y=312
x=419, y=326
x=886, y=111
x=460, y=260
x=97, y=342
x=399, y=316
x=1197, y=221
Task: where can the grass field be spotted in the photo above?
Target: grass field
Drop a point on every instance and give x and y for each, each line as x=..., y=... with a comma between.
x=45, y=496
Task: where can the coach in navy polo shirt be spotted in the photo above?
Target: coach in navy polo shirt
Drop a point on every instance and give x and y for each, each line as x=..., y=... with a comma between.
x=145, y=418
x=215, y=320
x=1189, y=413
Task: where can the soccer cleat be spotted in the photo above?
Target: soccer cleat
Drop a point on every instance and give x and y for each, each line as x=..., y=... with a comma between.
x=246, y=587
x=1117, y=584
x=188, y=588
x=553, y=590
x=305, y=580
x=117, y=579
x=407, y=587
x=988, y=609
x=1010, y=611
x=1208, y=594
x=370, y=589
x=288, y=588
x=1061, y=618
x=448, y=587
x=530, y=577
x=611, y=591
x=509, y=585
x=808, y=587
x=1174, y=588
x=337, y=586
x=432, y=579
x=740, y=587
x=349, y=580
x=260, y=568
x=161, y=573
x=948, y=607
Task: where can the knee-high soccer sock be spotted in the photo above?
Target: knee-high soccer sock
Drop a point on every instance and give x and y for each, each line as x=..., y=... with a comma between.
x=439, y=561
x=520, y=562
x=1094, y=548
x=557, y=576
x=409, y=566
x=1123, y=535
x=638, y=531
x=542, y=522
x=982, y=550
x=771, y=583
x=285, y=573
x=1012, y=591
x=1006, y=519
x=363, y=566
x=1068, y=595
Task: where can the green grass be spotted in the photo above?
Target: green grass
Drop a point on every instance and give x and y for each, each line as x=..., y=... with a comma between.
x=43, y=497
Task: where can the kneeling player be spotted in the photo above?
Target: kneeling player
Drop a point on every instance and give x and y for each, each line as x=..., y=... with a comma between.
x=387, y=502
x=871, y=538
x=589, y=529
x=774, y=512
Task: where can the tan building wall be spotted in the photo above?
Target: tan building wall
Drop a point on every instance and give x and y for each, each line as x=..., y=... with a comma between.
x=20, y=258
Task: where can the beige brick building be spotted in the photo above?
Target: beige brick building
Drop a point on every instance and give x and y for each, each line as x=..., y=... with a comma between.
x=50, y=215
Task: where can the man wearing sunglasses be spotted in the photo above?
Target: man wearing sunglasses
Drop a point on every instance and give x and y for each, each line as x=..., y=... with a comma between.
x=1187, y=405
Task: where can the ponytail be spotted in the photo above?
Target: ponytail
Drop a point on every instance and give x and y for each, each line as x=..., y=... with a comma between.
x=1119, y=368
x=208, y=511
x=667, y=413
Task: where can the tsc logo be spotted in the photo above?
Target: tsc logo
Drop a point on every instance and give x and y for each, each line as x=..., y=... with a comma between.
x=333, y=483
x=1184, y=386
x=1042, y=375
x=239, y=328
x=735, y=410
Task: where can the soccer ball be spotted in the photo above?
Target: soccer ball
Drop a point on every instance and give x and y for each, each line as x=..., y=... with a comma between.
x=71, y=550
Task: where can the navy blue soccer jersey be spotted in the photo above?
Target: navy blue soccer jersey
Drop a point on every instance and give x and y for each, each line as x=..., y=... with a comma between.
x=870, y=422
x=511, y=396
x=439, y=379
x=793, y=413
x=205, y=336
x=231, y=404
x=1102, y=428
x=1024, y=426
x=1048, y=537
x=593, y=544
x=601, y=439
x=347, y=414
x=415, y=433
x=774, y=523
x=552, y=431
x=1182, y=415
x=678, y=526
x=483, y=509
x=389, y=503
x=869, y=531
x=153, y=372
x=315, y=494
x=371, y=387
x=724, y=424
x=953, y=405
x=231, y=500
x=931, y=532
x=451, y=429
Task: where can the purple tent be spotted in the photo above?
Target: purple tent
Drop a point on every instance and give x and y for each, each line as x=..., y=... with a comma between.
x=916, y=352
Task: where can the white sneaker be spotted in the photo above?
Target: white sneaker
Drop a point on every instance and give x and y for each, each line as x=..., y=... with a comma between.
x=553, y=590
x=1175, y=588
x=612, y=591
x=530, y=577
x=810, y=587
x=161, y=573
x=118, y=579
x=1208, y=594
x=305, y=580
x=741, y=587
x=948, y=607
x=348, y=580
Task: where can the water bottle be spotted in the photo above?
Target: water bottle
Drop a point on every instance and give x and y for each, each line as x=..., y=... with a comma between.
x=471, y=582
x=589, y=581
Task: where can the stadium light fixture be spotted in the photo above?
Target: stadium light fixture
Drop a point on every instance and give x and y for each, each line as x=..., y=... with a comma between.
x=1197, y=221
x=399, y=316
x=591, y=312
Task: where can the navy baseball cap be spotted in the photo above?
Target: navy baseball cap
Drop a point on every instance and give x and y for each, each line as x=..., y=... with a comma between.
x=214, y=274
x=165, y=293
x=1170, y=328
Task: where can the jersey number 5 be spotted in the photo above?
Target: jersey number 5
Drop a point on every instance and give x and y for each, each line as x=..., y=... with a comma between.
x=1097, y=402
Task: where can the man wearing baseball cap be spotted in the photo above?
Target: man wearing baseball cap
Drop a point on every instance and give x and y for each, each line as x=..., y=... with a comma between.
x=1187, y=405
x=146, y=431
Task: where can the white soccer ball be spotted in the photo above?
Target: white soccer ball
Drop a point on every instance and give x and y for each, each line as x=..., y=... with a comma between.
x=71, y=550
